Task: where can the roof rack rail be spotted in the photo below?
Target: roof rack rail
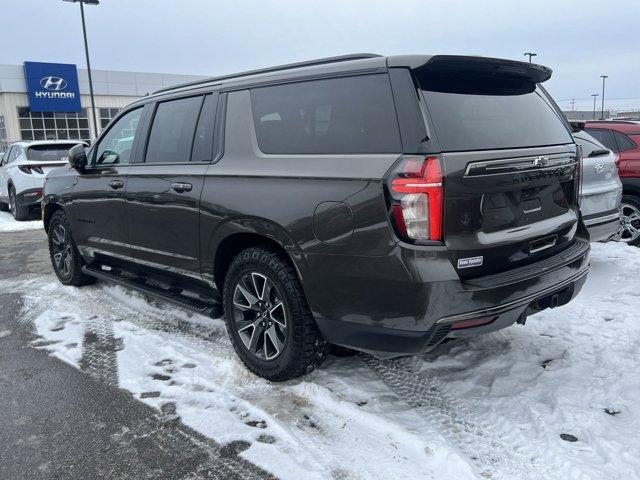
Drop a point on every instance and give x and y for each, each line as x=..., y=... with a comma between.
x=288, y=66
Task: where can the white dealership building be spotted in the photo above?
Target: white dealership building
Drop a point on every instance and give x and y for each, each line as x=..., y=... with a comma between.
x=21, y=119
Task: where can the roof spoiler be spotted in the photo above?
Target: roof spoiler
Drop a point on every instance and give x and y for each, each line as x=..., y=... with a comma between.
x=577, y=126
x=479, y=75
x=486, y=67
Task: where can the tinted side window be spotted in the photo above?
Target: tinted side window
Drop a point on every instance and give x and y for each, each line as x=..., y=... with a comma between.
x=624, y=142
x=173, y=130
x=334, y=116
x=203, y=139
x=604, y=137
x=5, y=157
x=115, y=147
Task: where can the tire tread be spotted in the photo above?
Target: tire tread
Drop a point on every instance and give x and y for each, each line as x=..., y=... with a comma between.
x=309, y=348
x=635, y=201
x=20, y=213
x=78, y=277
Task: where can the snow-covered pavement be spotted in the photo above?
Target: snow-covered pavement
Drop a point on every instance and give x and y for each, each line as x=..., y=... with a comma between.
x=558, y=398
x=9, y=224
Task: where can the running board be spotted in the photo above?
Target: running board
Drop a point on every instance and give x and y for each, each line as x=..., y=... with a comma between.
x=213, y=310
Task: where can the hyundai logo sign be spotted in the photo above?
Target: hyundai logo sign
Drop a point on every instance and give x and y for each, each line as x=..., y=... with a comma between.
x=52, y=87
x=53, y=83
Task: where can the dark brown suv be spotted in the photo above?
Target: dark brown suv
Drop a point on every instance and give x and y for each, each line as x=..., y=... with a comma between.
x=378, y=203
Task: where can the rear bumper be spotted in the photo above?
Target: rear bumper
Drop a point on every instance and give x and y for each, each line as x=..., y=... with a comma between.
x=600, y=207
x=390, y=317
x=602, y=226
x=30, y=197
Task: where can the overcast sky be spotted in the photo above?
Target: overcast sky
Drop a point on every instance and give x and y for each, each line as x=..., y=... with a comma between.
x=579, y=40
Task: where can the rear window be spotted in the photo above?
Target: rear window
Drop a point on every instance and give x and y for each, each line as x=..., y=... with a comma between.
x=49, y=153
x=492, y=116
x=334, y=116
x=624, y=142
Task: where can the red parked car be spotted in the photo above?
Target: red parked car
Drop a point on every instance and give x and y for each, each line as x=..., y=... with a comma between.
x=623, y=138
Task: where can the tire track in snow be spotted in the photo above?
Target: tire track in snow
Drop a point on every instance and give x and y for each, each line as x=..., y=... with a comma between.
x=484, y=440
x=99, y=349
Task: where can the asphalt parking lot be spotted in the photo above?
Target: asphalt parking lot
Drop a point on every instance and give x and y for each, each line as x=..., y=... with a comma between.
x=60, y=422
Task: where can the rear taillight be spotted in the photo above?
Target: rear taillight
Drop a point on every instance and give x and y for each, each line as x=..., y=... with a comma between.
x=416, y=195
x=578, y=179
x=28, y=169
x=617, y=160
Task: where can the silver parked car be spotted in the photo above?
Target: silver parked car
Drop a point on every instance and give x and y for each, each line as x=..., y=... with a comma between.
x=23, y=169
x=601, y=189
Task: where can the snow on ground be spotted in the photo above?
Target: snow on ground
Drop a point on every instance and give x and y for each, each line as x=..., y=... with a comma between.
x=10, y=224
x=557, y=398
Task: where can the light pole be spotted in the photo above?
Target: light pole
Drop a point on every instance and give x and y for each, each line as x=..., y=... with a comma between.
x=86, y=51
x=604, y=77
x=594, y=95
x=530, y=54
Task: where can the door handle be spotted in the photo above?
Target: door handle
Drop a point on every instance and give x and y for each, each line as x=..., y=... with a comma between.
x=181, y=187
x=116, y=184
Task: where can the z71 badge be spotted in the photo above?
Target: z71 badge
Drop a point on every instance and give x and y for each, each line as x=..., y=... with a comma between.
x=470, y=262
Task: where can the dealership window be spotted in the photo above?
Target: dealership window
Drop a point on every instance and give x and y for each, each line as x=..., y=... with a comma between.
x=115, y=146
x=106, y=115
x=53, y=126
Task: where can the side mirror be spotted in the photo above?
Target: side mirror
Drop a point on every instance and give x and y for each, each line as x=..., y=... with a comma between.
x=78, y=158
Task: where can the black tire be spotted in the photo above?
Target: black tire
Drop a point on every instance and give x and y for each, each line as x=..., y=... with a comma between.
x=65, y=257
x=19, y=211
x=303, y=348
x=630, y=210
x=4, y=207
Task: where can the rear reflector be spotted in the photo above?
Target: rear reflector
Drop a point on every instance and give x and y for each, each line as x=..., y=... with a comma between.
x=33, y=194
x=474, y=322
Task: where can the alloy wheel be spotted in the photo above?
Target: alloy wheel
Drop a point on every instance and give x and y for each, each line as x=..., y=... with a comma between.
x=629, y=223
x=61, y=250
x=260, y=315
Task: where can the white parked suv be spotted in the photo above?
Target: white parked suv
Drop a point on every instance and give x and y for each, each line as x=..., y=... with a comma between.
x=22, y=171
